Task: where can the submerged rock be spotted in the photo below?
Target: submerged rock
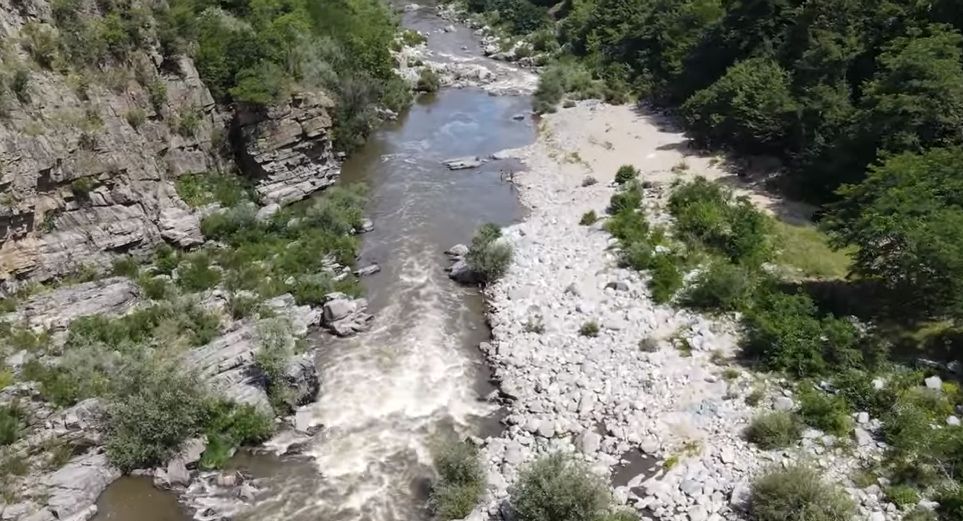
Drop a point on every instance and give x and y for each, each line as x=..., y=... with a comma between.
x=370, y=269
x=345, y=316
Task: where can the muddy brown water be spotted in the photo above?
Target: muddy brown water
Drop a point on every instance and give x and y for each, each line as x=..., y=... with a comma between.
x=390, y=394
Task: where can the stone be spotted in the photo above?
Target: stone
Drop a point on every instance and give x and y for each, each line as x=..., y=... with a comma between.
x=177, y=473
x=513, y=453
x=589, y=442
x=698, y=513
x=337, y=309
x=78, y=484
x=546, y=428
x=191, y=451
x=740, y=496
x=617, y=286
x=934, y=383
x=650, y=447
x=55, y=309
x=366, y=225
x=460, y=272
x=458, y=250
x=862, y=418
x=463, y=163
x=370, y=269
x=953, y=421
x=180, y=226
x=863, y=437
x=783, y=403
x=266, y=212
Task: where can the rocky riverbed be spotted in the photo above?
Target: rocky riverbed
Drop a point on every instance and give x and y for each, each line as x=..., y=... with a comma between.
x=657, y=384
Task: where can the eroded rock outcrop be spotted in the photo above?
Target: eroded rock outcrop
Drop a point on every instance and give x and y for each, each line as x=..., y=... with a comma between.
x=54, y=310
x=288, y=148
x=87, y=171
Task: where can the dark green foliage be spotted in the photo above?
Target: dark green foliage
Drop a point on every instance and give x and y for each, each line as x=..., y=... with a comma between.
x=902, y=495
x=488, y=256
x=826, y=412
x=797, y=493
x=263, y=84
x=197, y=274
x=774, y=430
x=561, y=78
x=428, y=81
x=785, y=333
x=625, y=174
x=188, y=122
x=588, y=218
x=589, y=329
x=710, y=215
x=228, y=426
x=721, y=286
x=628, y=197
x=20, y=85
x=750, y=106
x=906, y=219
x=125, y=266
x=666, y=277
x=460, y=483
x=202, y=189
x=557, y=488
x=10, y=425
x=145, y=428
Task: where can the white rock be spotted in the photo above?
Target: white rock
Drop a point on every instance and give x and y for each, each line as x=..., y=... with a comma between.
x=953, y=421
x=934, y=382
x=783, y=403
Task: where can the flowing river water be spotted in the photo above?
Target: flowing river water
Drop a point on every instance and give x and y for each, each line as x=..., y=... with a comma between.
x=388, y=395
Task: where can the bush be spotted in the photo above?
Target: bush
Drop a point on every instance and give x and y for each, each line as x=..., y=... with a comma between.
x=277, y=345
x=797, y=493
x=588, y=218
x=629, y=197
x=428, y=81
x=202, y=189
x=784, y=333
x=81, y=188
x=666, y=279
x=460, y=483
x=625, y=174
x=589, y=329
x=262, y=85
x=708, y=214
x=196, y=274
x=148, y=425
x=41, y=41
x=902, y=495
x=188, y=123
x=228, y=426
x=825, y=412
x=157, y=94
x=561, y=78
x=488, y=256
x=774, y=430
x=20, y=85
x=126, y=267
x=721, y=286
x=136, y=118
x=10, y=423
x=556, y=488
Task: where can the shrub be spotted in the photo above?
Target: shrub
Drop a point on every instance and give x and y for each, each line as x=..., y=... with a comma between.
x=774, y=430
x=125, y=266
x=136, y=117
x=20, y=85
x=825, y=412
x=148, y=425
x=412, y=38
x=784, y=333
x=708, y=214
x=721, y=286
x=202, y=189
x=588, y=218
x=41, y=41
x=902, y=495
x=666, y=279
x=629, y=197
x=589, y=329
x=189, y=122
x=460, y=483
x=81, y=188
x=488, y=256
x=556, y=488
x=589, y=181
x=155, y=288
x=797, y=493
x=276, y=347
x=228, y=426
x=625, y=174
x=428, y=81
x=561, y=78
x=157, y=94
x=196, y=274
x=10, y=422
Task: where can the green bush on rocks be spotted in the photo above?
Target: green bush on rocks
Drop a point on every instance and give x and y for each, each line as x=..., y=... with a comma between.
x=774, y=430
x=488, y=256
x=797, y=493
x=558, y=488
x=460, y=483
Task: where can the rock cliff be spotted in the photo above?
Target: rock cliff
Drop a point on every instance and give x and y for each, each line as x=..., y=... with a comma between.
x=89, y=158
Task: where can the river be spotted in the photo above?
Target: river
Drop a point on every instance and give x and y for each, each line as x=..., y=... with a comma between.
x=390, y=394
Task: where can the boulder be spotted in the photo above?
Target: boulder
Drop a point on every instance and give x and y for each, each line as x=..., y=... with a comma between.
x=57, y=308
x=370, y=269
x=266, y=212
x=934, y=383
x=78, y=484
x=458, y=250
x=345, y=316
x=463, y=163
x=301, y=377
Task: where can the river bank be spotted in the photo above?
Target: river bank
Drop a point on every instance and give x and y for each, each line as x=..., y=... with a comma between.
x=657, y=385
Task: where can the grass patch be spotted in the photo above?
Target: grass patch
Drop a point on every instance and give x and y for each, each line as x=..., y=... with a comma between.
x=806, y=251
x=797, y=493
x=202, y=189
x=589, y=218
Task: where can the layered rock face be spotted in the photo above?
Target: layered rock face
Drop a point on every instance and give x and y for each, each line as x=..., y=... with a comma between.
x=87, y=165
x=286, y=148
x=89, y=159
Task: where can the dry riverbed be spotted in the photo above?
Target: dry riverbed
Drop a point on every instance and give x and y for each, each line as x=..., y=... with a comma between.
x=657, y=384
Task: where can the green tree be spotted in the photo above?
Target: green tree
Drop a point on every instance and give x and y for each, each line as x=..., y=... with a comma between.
x=750, y=107
x=906, y=219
